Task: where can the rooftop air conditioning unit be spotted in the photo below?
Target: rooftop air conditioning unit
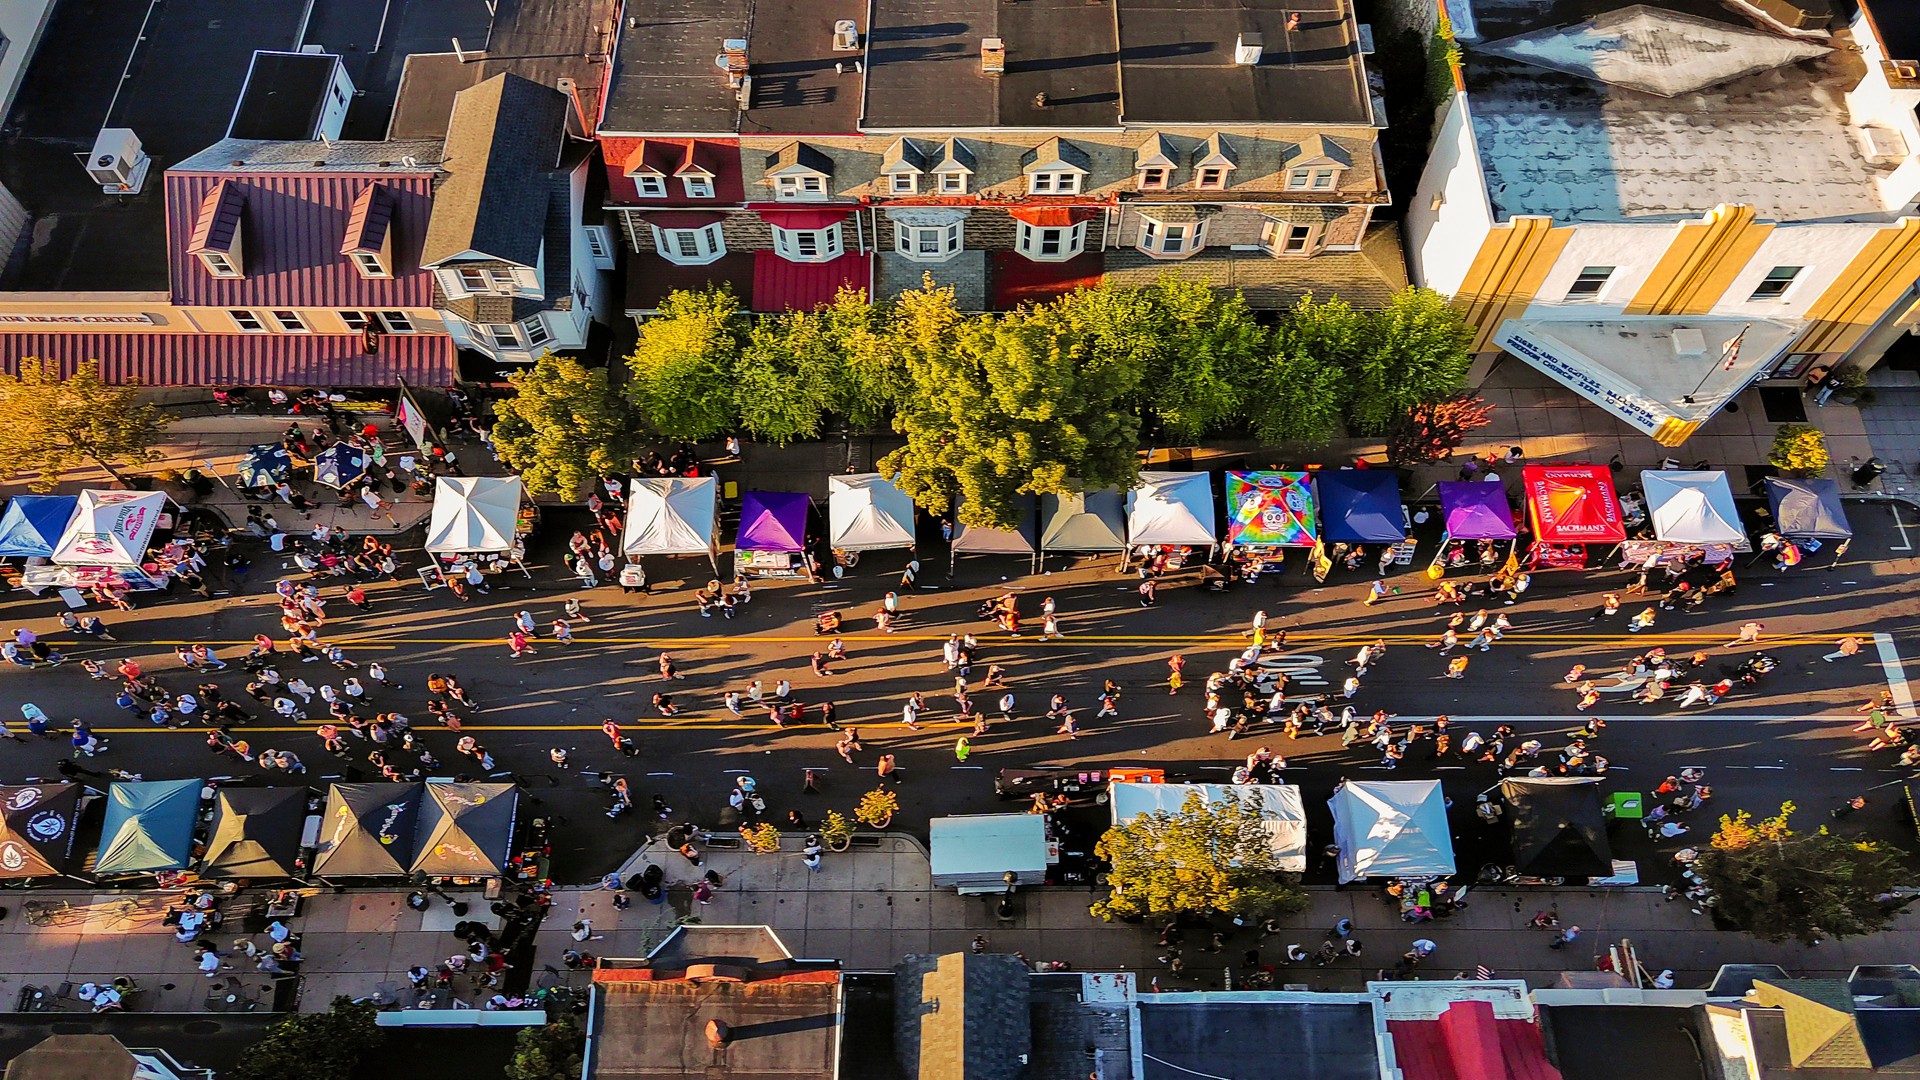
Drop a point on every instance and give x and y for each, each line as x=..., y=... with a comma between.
x=846, y=36
x=117, y=163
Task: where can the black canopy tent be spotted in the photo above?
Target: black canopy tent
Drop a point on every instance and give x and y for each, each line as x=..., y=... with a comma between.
x=369, y=830
x=466, y=830
x=256, y=833
x=37, y=823
x=1558, y=826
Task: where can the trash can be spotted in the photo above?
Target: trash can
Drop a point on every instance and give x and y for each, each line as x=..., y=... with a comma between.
x=1867, y=472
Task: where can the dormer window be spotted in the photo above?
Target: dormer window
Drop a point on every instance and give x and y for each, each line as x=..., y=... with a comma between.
x=1156, y=178
x=1316, y=165
x=902, y=166
x=799, y=173
x=953, y=167
x=1154, y=163
x=903, y=183
x=369, y=264
x=1213, y=162
x=1056, y=167
x=695, y=175
x=218, y=265
x=216, y=230
x=697, y=187
x=650, y=185
x=368, y=243
x=953, y=183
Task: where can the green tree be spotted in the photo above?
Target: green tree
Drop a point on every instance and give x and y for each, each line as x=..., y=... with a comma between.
x=49, y=425
x=1198, y=344
x=683, y=364
x=565, y=426
x=873, y=378
x=1011, y=406
x=788, y=377
x=1411, y=353
x=314, y=1046
x=1204, y=857
x=553, y=1051
x=1777, y=884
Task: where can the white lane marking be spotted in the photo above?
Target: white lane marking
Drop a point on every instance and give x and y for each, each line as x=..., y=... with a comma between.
x=1896, y=676
x=1906, y=542
x=1776, y=767
x=1846, y=768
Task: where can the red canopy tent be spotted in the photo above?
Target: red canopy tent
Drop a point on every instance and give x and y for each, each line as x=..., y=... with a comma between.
x=1573, y=504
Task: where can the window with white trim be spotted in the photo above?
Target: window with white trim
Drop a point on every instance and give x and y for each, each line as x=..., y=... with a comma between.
x=1211, y=178
x=1171, y=238
x=357, y=320
x=247, y=322
x=650, y=185
x=903, y=183
x=503, y=335
x=697, y=187
x=1589, y=283
x=490, y=280
x=369, y=264
x=953, y=183
x=1053, y=183
x=690, y=247
x=536, y=330
x=397, y=322
x=1287, y=238
x=1316, y=179
x=218, y=264
x=290, y=322
x=927, y=243
x=600, y=246
x=1776, y=283
x=1050, y=243
x=810, y=186
x=807, y=245
x=1155, y=178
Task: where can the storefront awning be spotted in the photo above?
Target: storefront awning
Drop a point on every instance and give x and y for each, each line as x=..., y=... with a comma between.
x=1572, y=504
x=1476, y=510
x=1270, y=509
x=1664, y=375
x=1688, y=507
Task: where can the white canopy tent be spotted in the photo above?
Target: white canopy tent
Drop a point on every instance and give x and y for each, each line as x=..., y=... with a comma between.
x=1279, y=804
x=110, y=528
x=865, y=512
x=1171, y=508
x=673, y=515
x=1083, y=521
x=476, y=515
x=974, y=853
x=1391, y=828
x=1692, y=507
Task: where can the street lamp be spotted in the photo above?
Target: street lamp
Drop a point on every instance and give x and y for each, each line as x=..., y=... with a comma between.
x=1005, y=910
x=424, y=881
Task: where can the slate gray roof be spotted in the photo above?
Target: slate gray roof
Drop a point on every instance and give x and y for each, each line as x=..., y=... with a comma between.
x=503, y=141
x=962, y=1016
x=1367, y=278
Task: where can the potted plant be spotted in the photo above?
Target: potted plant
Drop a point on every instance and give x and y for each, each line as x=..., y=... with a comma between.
x=877, y=808
x=836, y=831
x=761, y=839
x=1799, y=450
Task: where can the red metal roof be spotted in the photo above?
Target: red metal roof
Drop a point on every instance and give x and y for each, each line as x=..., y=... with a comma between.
x=242, y=359
x=292, y=228
x=684, y=219
x=813, y=217
x=722, y=159
x=1469, y=1043
x=1018, y=280
x=1053, y=216
x=779, y=285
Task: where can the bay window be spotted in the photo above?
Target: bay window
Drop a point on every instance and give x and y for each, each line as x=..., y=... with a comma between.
x=927, y=243
x=807, y=245
x=690, y=247
x=1050, y=243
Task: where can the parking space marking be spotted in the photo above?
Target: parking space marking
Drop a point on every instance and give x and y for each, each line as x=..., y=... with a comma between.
x=1896, y=675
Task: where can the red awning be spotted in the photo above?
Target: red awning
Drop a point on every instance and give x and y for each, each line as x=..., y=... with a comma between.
x=1468, y=1042
x=779, y=285
x=1572, y=504
x=1018, y=280
x=1054, y=217
x=337, y=360
x=813, y=217
x=684, y=219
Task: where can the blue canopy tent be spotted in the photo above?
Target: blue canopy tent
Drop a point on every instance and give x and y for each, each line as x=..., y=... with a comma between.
x=1360, y=506
x=264, y=466
x=33, y=523
x=149, y=827
x=339, y=465
x=1802, y=509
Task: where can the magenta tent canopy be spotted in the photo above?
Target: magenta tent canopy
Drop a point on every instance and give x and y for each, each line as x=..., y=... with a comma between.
x=1476, y=511
x=772, y=521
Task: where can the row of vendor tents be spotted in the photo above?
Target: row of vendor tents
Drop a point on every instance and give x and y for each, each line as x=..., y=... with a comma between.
x=440, y=828
x=1565, y=504
x=93, y=528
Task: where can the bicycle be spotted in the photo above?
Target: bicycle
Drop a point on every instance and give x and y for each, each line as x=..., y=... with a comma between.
x=50, y=912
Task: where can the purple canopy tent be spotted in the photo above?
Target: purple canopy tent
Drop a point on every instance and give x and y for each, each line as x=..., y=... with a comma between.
x=1476, y=511
x=773, y=530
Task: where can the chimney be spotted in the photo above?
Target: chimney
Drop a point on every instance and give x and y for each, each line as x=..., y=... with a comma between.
x=733, y=60
x=718, y=1034
x=846, y=36
x=993, y=56
x=1247, y=50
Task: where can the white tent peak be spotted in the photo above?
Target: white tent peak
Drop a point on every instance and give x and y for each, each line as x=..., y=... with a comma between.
x=671, y=515
x=110, y=528
x=1171, y=508
x=1692, y=506
x=866, y=512
x=474, y=514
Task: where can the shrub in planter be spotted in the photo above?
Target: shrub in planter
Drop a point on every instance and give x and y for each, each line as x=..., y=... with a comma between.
x=762, y=839
x=877, y=808
x=836, y=831
x=1799, y=450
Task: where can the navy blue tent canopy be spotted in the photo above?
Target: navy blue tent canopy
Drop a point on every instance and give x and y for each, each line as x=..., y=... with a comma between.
x=339, y=465
x=265, y=465
x=1360, y=506
x=33, y=523
x=1807, y=509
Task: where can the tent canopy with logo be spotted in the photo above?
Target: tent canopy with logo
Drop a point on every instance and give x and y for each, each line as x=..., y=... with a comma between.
x=466, y=830
x=1022, y=539
x=1391, y=828
x=1807, y=509
x=865, y=512
x=1691, y=507
x=1360, y=506
x=1283, y=813
x=773, y=521
x=36, y=829
x=369, y=830
x=33, y=523
x=264, y=465
x=1573, y=504
x=149, y=827
x=1558, y=826
x=672, y=515
x=1083, y=521
x=1476, y=510
x=1170, y=509
x=111, y=528
x=256, y=833
x=1270, y=509
x=339, y=465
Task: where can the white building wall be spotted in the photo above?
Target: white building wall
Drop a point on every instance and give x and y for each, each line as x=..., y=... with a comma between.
x=1822, y=251
x=1874, y=101
x=1631, y=249
x=21, y=21
x=1450, y=214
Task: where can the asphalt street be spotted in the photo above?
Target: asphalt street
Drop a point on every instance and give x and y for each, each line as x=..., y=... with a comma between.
x=1788, y=738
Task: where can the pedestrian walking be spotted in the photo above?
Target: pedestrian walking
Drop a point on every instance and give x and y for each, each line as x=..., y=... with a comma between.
x=1176, y=665
x=1564, y=937
x=1457, y=668
x=962, y=749
x=1749, y=634
x=1376, y=592
x=518, y=642
x=1848, y=647
x=1641, y=621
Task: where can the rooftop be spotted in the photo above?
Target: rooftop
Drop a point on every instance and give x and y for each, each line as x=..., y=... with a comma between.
x=1177, y=62
x=666, y=80
x=1182, y=1035
x=285, y=96
x=1602, y=1042
x=502, y=144
x=544, y=41
x=1750, y=112
x=374, y=38
x=924, y=68
x=178, y=95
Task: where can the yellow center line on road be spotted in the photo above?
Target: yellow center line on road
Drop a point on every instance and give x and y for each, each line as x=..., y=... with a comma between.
x=695, y=722
x=1511, y=637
